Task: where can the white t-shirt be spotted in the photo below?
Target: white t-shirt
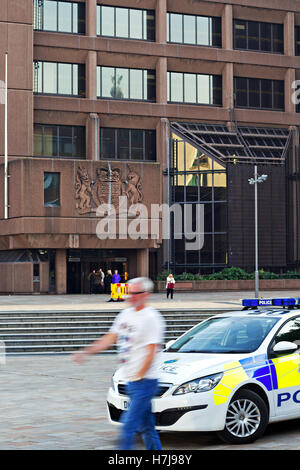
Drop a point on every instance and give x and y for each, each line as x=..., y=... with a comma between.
x=136, y=330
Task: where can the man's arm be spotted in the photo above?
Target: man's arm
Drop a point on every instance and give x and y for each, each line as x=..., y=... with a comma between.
x=151, y=350
x=99, y=345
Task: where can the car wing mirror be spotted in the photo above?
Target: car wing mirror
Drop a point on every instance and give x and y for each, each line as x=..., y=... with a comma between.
x=169, y=343
x=284, y=347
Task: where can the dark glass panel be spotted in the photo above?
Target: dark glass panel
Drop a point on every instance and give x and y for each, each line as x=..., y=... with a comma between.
x=81, y=18
x=277, y=32
x=137, y=144
x=38, y=140
x=65, y=141
x=50, y=141
x=150, y=25
x=266, y=36
x=150, y=145
x=123, y=144
x=150, y=93
x=81, y=80
x=208, y=208
x=51, y=189
x=220, y=217
x=278, y=94
x=254, y=92
x=217, y=90
x=108, y=144
x=179, y=251
x=220, y=248
x=297, y=39
x=240, y=34
x=79, y=141
x=216, y=32
x=192, y=183
x=206, y=253
x=192, y=257
x=266, y=93
x=253, y=35
x=241, y=91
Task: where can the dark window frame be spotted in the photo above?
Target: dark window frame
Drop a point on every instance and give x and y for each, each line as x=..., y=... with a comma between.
x=116, y=146
x=214, y=89
x=144, y=11
x=74, y=155
x=260, y=49
x=147, y=71
x=261, y=81
x=212, y=204
x=48, y=204
x=80, y=79
x=215, y=23
x=39, y=17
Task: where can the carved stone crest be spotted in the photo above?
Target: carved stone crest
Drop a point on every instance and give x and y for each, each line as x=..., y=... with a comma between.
x=106, y=188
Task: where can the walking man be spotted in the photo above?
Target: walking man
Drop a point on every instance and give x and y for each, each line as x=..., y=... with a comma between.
x=139, y=332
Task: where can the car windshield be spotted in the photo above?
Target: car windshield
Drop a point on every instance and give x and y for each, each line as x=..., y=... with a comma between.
x=225, y=335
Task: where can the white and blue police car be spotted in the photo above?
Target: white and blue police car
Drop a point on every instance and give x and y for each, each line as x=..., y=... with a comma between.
x=232, y=374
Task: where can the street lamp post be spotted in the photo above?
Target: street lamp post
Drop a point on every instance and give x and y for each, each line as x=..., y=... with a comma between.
x=257, y=179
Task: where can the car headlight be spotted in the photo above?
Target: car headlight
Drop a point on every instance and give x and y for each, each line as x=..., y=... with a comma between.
x=203, y=384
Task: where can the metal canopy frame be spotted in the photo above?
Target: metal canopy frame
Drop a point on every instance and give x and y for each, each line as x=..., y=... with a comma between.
x=240, y=144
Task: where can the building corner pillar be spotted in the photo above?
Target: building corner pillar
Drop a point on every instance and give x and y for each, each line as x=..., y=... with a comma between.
x=91, y=18
x=61, y=271
x=143, y=262
x=289, y=34
x=161, y=21
x=227, y=27
x=289, y=90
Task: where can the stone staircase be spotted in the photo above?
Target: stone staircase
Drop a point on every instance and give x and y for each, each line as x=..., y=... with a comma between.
x=63, y=332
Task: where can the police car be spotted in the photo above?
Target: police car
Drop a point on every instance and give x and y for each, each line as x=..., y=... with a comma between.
x=233, y=374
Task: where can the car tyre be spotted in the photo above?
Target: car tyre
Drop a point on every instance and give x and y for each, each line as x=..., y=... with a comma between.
x=246, y=419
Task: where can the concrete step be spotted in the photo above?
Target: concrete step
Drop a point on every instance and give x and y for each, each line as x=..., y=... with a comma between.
x=64, y=332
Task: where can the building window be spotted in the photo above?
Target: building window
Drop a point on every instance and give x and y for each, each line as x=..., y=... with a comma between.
x=197, y=30
x=59, y=141
x=126, y=23
x=126, y=84
x=128, y=144
x=259, y=93
x=258, y=36
x=194, y=88
x=51, y=189
x=61, y=17
x=54, y=78
x=198, y=179
x=297, y=40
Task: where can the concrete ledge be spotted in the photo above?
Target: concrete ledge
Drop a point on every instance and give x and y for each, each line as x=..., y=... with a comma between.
x=243, y=285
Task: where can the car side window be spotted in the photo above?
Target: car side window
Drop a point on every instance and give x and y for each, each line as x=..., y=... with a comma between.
x=289, y=332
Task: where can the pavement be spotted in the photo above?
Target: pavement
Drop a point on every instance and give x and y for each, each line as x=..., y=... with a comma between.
x=51, y=403
x=182, y=300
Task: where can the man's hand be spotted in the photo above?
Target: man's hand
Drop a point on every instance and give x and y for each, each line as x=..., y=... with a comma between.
x=79, y=357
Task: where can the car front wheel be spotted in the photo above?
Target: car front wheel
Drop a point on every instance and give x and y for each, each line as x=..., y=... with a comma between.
x=246, y=419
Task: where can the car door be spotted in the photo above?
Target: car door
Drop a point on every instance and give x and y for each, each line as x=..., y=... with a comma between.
x=286, y=372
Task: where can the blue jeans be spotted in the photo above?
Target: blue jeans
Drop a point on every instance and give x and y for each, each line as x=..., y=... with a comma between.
x=139, y=417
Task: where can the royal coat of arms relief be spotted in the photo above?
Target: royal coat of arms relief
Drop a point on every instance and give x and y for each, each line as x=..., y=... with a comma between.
x=109, y=184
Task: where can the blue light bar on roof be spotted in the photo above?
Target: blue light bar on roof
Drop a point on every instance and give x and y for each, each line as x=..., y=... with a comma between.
x=270, y=302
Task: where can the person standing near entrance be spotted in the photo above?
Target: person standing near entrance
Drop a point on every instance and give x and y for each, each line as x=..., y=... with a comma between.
x=170, y=285
x=139, y=332
x=116, y=279
x=108, y=281
x=102, y=277
x=91, y=278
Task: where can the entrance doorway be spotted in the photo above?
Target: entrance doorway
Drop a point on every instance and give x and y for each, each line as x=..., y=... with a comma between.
x=81, y=263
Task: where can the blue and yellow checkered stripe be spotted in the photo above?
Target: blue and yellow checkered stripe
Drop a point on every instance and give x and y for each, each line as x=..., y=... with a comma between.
x=273, y=374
